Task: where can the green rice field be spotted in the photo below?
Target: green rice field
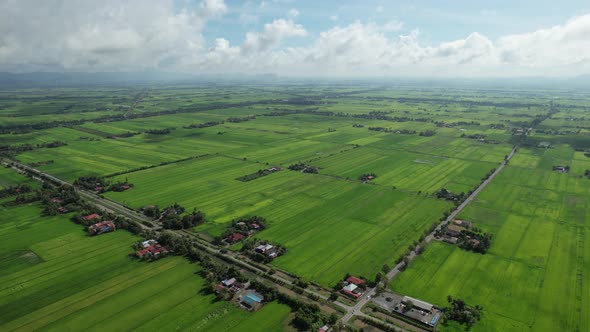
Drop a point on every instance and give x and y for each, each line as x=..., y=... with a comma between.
x=535, y=275
x=188, y=144
x=56, y=278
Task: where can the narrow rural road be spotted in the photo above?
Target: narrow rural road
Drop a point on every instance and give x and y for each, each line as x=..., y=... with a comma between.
x=399, y=267
x=114, y=207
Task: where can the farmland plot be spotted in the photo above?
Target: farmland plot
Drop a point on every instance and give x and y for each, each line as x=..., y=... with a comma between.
x=56, y=278
x=534, y=275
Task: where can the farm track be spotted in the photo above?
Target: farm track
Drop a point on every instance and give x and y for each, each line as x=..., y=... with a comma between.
x=399, y=267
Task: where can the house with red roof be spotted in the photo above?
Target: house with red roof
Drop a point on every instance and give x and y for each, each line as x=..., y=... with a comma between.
x=91, y=216
x=355, y=280
x=155, y=251
x=102, y=227
x=235, y=237
x=351, y=287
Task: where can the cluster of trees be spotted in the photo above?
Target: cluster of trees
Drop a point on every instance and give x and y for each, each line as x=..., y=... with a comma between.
x=164, y=131
x=305, y=168
x=308, y=317
x=367, y=177
x=236, y=119
x=455, y=124
x=397, y=131
x=124, y=135
x=91, y=182
x=244, y=225
x=284, y=112
x=427, y=133
x=10, y=150
x=260, y=173
x=100, y=184
x=561, y=168
x=380, y=115
x=18, y=189
x=450, y=196
x=357, y=125
x=23, y=192
x=248, y=249
x=214, y=273
x=119, y=221
x=460, y=312
x=24, y=128
x=203, y=125
x=587, y=173
x=41, y=163
x=172, y=217
x=475, y=241
x=152, y=211
x=497, y=126
x=64, y=198
x=121, y=186
x=473, y=136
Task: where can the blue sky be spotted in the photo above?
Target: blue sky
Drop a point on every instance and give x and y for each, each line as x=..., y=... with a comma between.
x=326, y=38
x=438, y=21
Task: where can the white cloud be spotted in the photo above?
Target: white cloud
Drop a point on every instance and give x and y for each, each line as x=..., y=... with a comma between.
x=100, y=35
x=272, y=35
x=393, y=25
x=139, y=34
x=213, y=7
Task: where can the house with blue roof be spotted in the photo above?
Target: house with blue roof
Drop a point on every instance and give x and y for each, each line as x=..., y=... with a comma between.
x=252, y=300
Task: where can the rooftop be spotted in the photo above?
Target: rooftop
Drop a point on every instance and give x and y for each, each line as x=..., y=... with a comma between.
x=418, y=303
x=355, y=280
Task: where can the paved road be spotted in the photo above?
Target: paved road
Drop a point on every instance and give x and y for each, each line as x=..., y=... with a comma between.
x=102, y=203
x=114, y=207
x=399, y=267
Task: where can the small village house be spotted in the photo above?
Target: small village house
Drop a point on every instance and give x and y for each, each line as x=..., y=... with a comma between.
x=154, y=251
x=454, y=230
x=235, y=237
x=91, y=217
x=252, y=300
x=102, y=227
x=352, y=288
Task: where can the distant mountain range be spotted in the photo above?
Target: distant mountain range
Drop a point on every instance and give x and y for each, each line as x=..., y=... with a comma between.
x=103, y=78
x=47, y=79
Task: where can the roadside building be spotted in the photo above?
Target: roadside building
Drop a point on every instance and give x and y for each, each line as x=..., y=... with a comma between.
x=149, y=243
x=264, y=248
x=352, y=290
x=351, y=287
x=155, y=251
x=91, y=217
x=419, y=304
x=454, y=230
x=102, y=227
x=252, y=300
x=229, y=284
x=235, y=237
x=463, y=223
x=355, y=280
